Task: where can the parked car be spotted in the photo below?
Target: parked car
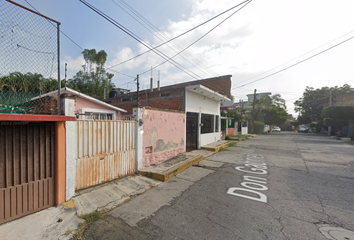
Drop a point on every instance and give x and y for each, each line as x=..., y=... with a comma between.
x=276, y=129
x=304, y=130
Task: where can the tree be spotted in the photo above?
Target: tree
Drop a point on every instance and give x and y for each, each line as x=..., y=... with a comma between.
x=313, y=101
x=267, y=102
x=275, y=116
x=93, y=79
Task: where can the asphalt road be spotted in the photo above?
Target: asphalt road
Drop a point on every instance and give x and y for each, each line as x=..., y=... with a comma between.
x=277, y=186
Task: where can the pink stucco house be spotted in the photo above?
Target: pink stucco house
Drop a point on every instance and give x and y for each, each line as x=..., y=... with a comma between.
x=87, y=107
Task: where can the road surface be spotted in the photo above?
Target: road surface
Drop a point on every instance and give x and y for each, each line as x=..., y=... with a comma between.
x=277, y=186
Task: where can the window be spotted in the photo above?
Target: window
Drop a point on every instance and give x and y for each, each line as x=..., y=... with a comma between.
x=98, y=116
x=207, y=123
x=216, y=123
x=165, y=94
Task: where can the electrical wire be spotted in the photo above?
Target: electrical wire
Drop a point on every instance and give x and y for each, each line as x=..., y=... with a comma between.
x=162, y=38
x=73, y=40
x=297, y=63
x=199, y=38
x=59, y=29
x=135, y=37
x=296, y=57
x=179, y=34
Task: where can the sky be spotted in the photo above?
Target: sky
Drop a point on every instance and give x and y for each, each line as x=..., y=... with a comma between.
x=261, y=39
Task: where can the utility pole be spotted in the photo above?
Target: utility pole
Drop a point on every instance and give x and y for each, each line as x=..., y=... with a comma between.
x=253, y=108
x=137, y=91
x=330, y=104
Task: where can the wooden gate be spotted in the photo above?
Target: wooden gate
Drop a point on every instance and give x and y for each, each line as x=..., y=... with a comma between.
x=26, y=168
x=192, y=131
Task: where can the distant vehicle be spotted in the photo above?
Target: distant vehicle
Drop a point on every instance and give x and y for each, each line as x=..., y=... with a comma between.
x=304, y=130
x=276, y=129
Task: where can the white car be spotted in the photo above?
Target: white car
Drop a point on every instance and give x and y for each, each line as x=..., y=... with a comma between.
x=276, y=129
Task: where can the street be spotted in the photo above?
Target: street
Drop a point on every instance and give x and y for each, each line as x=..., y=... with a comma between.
x=284, y=185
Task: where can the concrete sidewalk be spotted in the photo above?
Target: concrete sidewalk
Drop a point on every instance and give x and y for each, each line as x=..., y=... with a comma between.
x=62, y=221
x=167, y=169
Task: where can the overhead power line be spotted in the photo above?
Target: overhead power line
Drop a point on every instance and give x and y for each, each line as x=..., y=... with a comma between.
x=296, y=57
x=297, y=63
x=198, y=38
x=135, y=37
x=74, y=41
x=155, y=31
x=179, y=34
x=55, y=27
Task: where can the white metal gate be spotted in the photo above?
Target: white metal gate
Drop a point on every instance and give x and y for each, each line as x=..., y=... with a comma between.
x=105, y=151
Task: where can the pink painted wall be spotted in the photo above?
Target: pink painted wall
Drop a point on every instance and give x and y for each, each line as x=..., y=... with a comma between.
x=83, y=103
x=231, y=131
x=164, y=135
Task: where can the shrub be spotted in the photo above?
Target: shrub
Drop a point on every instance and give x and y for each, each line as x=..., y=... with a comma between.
x=258, y=127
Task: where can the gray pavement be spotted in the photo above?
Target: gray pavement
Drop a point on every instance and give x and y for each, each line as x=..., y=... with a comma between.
x=276, y=186
x=62, y=221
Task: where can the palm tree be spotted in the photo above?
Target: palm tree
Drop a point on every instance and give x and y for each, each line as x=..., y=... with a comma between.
x=277, y=101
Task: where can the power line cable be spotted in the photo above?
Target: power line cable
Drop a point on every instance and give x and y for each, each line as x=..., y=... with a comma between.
x=178, y=35
x=198, y=38
x=135, y=37
x=297, y=57
x=162, y=38
x=282, y=70
x=73, y=40
x=55, y=27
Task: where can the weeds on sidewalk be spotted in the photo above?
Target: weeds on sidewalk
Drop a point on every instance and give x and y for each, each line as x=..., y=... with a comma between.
x=237, y=137
x=88, y=219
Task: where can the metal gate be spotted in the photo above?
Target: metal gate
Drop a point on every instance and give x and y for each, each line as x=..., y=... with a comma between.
x=106, y=151
x=192, y=131
x=26, y=168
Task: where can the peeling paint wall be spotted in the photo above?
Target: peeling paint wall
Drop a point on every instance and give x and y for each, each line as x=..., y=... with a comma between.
x=164, y=135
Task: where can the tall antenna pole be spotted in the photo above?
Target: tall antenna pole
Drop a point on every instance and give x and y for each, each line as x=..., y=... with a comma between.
x=253, y=108
x=66, y=69
x=137, y=91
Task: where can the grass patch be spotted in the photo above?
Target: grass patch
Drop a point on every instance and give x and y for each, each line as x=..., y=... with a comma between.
x=233, y=144
x=88, y=219
x=92, y=217
x=240, y=137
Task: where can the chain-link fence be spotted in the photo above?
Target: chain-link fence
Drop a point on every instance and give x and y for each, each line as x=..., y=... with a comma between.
x=29, y=50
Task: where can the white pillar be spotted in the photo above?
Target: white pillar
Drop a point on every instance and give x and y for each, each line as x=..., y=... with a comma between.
x=139, y=131
x=68, y=109
x=71, y=154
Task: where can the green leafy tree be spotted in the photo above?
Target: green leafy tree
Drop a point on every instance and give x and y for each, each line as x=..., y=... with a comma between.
x=267, y=102
x=93, y=79
x=313, y=101
x=275, y=116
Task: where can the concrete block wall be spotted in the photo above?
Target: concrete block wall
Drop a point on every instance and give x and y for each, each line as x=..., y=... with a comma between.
x=164, y=135
x=344, y=100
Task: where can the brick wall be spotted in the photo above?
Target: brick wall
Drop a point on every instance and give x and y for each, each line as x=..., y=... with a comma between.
x=170, y=97
x=344, y=100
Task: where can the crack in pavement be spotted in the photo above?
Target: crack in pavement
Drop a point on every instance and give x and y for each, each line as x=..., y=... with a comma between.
x=210, y=211
x=282, y=227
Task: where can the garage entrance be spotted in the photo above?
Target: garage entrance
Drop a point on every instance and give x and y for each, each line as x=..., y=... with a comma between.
x=26, y=168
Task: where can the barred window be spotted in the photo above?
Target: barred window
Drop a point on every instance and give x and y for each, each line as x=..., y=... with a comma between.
x=216, y=123
x=207, y=123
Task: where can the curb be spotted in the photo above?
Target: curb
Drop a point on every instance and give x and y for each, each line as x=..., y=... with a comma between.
x=165, y=175
x=217, y=149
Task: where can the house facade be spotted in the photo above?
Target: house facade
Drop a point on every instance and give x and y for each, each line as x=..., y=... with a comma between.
x=84, y=106
x=199, y=100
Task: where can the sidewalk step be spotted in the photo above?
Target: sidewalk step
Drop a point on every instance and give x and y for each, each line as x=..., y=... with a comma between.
x=217, y=147
x=172, y=167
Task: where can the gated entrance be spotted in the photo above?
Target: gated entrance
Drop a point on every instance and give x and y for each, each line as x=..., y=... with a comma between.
x=192, y=131
x=26, y=168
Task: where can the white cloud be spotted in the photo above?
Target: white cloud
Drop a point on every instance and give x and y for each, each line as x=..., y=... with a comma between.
x=73, y=65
